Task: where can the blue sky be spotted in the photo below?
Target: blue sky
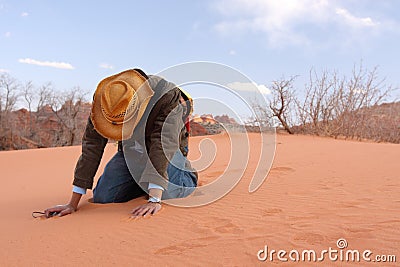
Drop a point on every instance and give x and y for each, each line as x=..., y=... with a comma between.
x=80, y=42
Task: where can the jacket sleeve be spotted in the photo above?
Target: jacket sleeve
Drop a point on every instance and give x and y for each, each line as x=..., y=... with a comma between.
x=164, y=139
x=92, y=151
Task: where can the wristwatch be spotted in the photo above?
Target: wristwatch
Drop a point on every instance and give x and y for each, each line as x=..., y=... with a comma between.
x=154, y=200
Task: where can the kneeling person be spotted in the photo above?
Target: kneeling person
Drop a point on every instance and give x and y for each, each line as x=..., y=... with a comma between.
x=147, y=115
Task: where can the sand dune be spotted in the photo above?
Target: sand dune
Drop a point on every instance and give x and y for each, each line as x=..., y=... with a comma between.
x=318, y=191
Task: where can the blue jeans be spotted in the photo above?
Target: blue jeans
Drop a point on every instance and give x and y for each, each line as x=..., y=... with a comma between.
x=116, y=184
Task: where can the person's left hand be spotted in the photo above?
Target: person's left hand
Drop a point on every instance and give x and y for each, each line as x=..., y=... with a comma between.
x=149, y=208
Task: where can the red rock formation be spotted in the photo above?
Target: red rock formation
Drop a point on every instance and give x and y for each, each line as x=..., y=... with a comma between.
x=196, y=129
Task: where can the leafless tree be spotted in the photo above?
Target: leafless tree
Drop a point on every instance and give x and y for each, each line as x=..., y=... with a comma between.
x=8, y=94
x=262, y=115
x=29, y=96
x=45, y=95
x=281, y=101
x=363, y=91
x=67, y=106
x=28, y=93
x=318, y=107
x=8, y=98
x=339, y=106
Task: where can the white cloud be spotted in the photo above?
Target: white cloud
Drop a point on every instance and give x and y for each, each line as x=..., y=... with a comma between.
x=106, y=66
x=7, y=34
x=287, y=21
x=355, y=21
x=232, y=52
x=24, y=14
x=53, y=64
x=4, y=71
x=249, y=87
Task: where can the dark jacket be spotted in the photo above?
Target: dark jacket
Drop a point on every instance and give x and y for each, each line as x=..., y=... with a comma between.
x=161, y=132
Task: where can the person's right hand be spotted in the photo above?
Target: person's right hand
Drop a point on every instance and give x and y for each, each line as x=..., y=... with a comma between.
x=60, y=209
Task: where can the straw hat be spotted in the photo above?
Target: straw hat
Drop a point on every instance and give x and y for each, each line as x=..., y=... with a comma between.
x=120, y=99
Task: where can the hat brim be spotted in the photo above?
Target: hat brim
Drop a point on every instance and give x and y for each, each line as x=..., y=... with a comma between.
x=120, y=132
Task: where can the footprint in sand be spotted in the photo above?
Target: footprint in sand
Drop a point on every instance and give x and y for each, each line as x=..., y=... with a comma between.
x=309, y=238
x=280, y=170
x=359, y=232
x=185, y=246
x=271, y=212
x=216, y=226
x=358, y=203
x=333, y=183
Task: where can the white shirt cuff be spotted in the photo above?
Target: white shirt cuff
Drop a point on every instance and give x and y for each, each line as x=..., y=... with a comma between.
x=79, y=190
x=155, y=186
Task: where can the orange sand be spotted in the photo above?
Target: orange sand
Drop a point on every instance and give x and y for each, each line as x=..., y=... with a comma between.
x=319, y=190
